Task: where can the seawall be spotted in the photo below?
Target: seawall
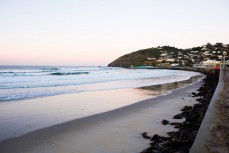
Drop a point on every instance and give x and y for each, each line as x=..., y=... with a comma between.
x=205, y=134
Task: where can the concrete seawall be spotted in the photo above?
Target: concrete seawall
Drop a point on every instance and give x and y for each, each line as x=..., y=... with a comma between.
x=205, y=134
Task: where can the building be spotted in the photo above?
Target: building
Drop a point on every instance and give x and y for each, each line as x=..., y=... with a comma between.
x=175, y=64
x=210, y=63
x=170, y=60
x=151, y=58
x=164, y=54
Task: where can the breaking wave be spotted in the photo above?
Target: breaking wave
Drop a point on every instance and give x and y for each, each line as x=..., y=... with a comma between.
x=69, y=73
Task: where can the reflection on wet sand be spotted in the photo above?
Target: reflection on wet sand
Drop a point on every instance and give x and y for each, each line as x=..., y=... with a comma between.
x=162, y=89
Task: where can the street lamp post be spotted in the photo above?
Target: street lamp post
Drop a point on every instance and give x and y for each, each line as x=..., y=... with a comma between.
x=224, y=62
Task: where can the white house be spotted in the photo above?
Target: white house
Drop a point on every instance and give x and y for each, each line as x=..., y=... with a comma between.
x=159, y=60
x=175, y=64
x=220, y=56
x=170, y=60
x=163, y=54
x=151, y=58
x=210, y=63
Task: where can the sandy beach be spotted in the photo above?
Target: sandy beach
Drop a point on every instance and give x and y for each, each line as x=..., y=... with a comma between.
x=117, y=130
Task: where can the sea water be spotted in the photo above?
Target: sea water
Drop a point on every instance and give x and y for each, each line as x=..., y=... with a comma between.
x=24, y=82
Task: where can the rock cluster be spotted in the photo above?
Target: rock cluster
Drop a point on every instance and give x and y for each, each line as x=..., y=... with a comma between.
x=182, y=140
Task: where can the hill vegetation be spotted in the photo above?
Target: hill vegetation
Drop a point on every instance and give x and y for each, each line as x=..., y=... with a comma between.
x=172, y=56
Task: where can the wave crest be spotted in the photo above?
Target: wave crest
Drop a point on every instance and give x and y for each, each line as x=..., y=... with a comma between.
x=69, y=73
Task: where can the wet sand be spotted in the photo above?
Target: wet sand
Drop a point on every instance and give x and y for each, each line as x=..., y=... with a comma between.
x=114, y=131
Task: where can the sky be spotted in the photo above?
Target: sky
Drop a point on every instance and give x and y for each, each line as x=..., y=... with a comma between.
x=96, y=32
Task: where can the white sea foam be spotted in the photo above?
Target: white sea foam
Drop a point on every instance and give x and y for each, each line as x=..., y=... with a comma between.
x=17, y=83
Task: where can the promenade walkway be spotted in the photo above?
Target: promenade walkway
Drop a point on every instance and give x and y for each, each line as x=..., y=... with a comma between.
x=220, y=128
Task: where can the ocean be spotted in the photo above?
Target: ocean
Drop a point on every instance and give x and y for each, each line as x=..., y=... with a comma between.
x=26, y=82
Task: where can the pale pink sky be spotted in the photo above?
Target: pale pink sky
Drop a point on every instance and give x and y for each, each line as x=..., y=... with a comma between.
x=95, y=32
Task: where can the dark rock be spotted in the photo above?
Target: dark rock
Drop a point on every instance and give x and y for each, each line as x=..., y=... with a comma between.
x=192, y=117
x=176, y=124
x=155, y=151
x=183, y=133
x=192, y=136
x=175, y=144
x=197, y=106
x=148, y=150
x=153, y=143
x=164, y=122
x=193, y=94
x=200, y=118
x=179, y=116
x=171, y=133
x=155, y=137
x=186, y=108
x=145, y=135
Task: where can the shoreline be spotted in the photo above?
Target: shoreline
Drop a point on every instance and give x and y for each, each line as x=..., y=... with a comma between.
x=136, y=113
x=30, y=115
x=182, y=140
x=68, y=84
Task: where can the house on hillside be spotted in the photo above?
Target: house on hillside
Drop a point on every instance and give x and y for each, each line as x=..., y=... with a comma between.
x=210, y=63
x=163, y=54
x=170, y=60
x=151, y=58
x=198, y=65
x=220, y=57
x=175, y=64
x=159, y=60
x=163, y=64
